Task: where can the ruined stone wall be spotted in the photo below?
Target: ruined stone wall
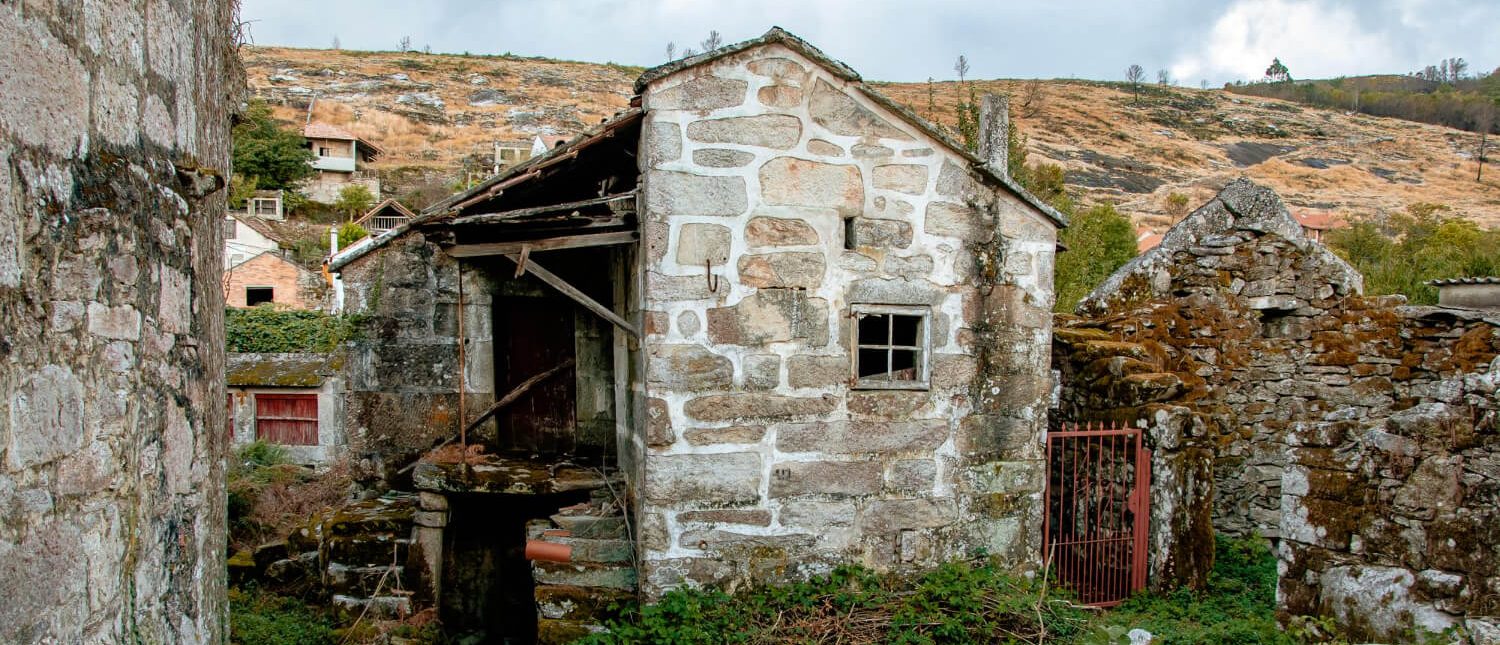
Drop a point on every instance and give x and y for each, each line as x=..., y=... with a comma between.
x=114, y=143
x=1389, y=515
x=403, y=378
x=761, y=462
x=1248, y=354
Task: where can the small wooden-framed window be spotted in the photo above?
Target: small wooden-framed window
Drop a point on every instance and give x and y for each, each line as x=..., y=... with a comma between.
x=891, y=346
x=288, y=419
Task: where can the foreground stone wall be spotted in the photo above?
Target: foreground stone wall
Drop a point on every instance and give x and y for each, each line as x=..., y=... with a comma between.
x=1265, y=382
x=775, y=197
x=114, y=142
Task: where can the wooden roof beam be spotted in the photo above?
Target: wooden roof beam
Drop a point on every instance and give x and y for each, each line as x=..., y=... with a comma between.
x=572, y=292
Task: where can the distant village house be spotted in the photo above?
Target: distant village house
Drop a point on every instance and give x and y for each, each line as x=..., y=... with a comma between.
x=341, y=161
x=271, y=278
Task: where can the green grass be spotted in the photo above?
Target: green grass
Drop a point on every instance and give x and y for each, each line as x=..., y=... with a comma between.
x=963, y=602
x=261, y=618
x=1238, y=606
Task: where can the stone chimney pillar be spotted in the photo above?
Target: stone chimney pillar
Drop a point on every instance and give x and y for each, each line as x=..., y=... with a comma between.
x=994, y=133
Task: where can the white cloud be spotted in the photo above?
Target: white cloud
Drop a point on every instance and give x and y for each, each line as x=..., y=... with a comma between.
x=1313, y=38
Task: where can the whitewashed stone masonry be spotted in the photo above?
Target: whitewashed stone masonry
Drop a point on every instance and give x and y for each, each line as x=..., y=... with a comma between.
x=761, y=462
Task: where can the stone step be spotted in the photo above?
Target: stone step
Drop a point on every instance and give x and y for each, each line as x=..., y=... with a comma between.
x=601, y=551
x=590, y=604
x=391, y=514
x=368, y=550
x=584, y=575
x=362, y=581
x=379, y=607
x=611, y=527
x=561, y=632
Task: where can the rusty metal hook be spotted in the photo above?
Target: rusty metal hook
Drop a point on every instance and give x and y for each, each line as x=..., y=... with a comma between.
x=709, y=277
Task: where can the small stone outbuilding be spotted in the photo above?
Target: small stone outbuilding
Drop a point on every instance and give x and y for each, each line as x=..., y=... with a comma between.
x=1358, y=434
x=292, y=400
x=794, y=323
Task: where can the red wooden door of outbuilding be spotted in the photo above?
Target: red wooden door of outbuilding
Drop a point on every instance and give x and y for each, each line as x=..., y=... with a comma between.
x=288, y=419
x=1097, y=511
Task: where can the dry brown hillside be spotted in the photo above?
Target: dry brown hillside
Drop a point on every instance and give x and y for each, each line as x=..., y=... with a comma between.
x=432, y=113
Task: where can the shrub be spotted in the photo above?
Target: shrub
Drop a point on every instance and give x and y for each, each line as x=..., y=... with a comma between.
x=277, y=156
x=1099, y=241
x=960, y=602
x=354, y=200
x=268, y=329
x=268, y=496
x=963, y=602
x=258, y=617
x=350, y=233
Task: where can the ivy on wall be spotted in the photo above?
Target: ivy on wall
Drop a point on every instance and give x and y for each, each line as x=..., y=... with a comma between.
x=266, y=329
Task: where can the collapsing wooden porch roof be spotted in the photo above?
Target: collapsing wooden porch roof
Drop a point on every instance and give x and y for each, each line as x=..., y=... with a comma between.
x=581, y=193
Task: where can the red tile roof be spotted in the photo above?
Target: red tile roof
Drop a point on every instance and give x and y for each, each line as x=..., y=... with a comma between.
x=1146, y=239
x=1320, y=220
x=326, y=131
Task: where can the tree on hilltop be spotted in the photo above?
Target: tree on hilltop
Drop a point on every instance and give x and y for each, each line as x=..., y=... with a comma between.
x=1277, y=72
x=1134, y=75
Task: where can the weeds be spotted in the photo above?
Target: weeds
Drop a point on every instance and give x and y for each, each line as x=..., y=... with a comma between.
x=961, y=602
x=268, y=497
x=964, y=602
x=258, y=617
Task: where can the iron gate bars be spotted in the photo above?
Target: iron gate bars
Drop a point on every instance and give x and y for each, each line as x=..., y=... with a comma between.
x=1097, y=509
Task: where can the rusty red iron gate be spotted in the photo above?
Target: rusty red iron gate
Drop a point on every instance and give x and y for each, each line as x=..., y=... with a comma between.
x=1098, y=492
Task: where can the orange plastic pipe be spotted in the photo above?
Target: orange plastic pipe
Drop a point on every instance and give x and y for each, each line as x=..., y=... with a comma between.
x=548, y=551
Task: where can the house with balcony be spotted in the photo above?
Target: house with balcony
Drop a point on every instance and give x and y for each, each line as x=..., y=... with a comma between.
x=342, y=159
x=385, y=216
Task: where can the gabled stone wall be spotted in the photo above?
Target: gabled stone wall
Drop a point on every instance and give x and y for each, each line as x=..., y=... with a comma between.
x=1359, y=433
x=114, y=147
x=760, y=460
x=403, y=372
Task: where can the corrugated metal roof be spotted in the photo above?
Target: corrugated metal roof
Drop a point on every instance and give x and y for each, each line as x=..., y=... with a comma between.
x=1471, y=280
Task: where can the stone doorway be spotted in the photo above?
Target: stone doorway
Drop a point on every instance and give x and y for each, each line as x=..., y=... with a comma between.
x=1098, y=511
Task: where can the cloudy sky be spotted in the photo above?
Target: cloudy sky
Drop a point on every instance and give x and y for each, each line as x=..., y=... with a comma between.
x=909, y=40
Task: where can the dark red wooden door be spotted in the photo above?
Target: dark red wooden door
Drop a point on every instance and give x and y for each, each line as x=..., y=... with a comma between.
x=533, y=335
x=289, y=419
x=1098, y=492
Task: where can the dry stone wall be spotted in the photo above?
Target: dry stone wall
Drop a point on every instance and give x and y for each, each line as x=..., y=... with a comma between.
x=775, y=197
x=114, y=143
x=1280, y=402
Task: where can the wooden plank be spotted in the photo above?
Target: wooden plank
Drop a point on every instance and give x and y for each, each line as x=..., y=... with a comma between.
x=486, y=218
x=509, y=398
x=572, y=292
x=546, y=244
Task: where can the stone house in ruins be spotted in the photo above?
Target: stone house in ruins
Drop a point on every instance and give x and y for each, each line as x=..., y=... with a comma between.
x=1358, y=434
x=786, y=321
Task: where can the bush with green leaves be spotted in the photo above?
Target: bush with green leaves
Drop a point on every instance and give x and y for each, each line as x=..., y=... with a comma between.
x=259, y=617
x=1099, y=241
x=267, y=329
x=277, y=157
x=354, y=200
x=349, y=233
x=1399, y=254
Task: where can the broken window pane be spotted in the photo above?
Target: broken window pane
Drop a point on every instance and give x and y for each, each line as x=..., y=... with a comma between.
x=890, y=346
